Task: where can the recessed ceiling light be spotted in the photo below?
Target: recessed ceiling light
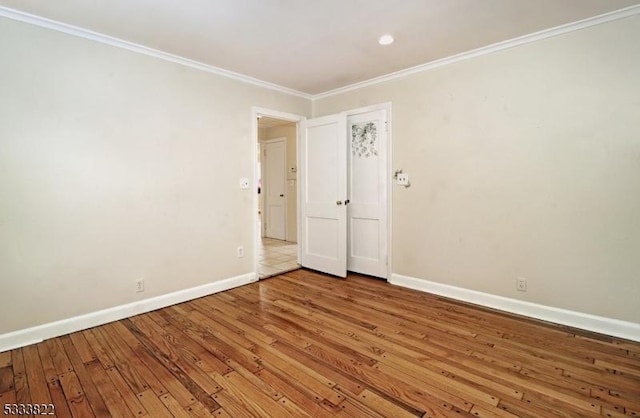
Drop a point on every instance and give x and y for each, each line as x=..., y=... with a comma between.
x=385, y=40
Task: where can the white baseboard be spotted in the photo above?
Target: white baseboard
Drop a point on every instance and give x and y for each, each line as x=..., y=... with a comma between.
x=39, y=333
x=599, y=324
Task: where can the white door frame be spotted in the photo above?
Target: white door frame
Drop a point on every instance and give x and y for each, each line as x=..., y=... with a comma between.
x=255, y=112
x=260, y=111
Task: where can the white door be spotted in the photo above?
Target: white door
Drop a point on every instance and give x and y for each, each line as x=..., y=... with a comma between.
x=367, y=214
x=274, y=163
x=323, y=185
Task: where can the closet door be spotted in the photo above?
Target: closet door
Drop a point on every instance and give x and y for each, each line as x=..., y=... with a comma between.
x=323, y=202
x=367, y=209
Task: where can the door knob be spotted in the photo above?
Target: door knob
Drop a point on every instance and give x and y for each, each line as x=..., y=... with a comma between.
x=339, y=202
x=281, y=195
x=346, y=202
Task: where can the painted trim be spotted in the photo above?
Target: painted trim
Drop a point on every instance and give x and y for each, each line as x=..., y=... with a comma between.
x=39, y=333
x=261, y=111
x=119, y=43
x=599, y=324
x=489, y=49
x=141, y=49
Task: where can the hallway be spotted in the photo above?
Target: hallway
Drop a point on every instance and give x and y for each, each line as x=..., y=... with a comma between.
x=276, y=257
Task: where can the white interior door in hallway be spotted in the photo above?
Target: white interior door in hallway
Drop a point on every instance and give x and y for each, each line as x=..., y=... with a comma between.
x=274, y=185
x=344, y=187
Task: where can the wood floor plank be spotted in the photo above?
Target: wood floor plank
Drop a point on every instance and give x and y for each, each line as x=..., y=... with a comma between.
x=128, y=396
x=112, y=398
x=8, y=397
x=80, y=373
x=255, y=401
x=235, y=384
x=296, y=391
x=128, y=371
x=35, y=376
x=59, y=356
x=152, y=403
x=174, y=406
x=193, y=382
x=22, y=392
x=292, y=408
x=255, y=380
x=202, y=358
x=6, y=379
x=237, y=406
x=377, y=403
x=173, y=385
x=296, y=370
x=75, y=396
x=161, y=373
x=5, y=359
x=305, y=344
x=354, y=409
x=96, y=346
x=320, y=342
x=200, y=411
x=339, y=370
x=230, y=345
x=131, y=362
x=50, y=372
x=83, y=348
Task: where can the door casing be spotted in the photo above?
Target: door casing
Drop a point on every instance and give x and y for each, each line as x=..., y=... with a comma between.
x=260, y=111
x=290, y=117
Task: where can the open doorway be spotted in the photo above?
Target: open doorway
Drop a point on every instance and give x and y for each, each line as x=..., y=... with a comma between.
x=277, y=193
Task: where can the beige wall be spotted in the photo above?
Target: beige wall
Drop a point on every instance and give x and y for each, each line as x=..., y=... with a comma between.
x=289, y=132
x=525, y=162
x=116, y=166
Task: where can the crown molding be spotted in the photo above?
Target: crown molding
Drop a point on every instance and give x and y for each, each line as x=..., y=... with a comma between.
x=141, y=49
x=489, y=49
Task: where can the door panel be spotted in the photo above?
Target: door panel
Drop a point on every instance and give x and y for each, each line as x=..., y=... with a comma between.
x=362, y=248
x=323, y=181
x=368, y=193
x=274, y=187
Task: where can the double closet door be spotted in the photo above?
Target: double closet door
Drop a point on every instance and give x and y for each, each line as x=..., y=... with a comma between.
x=343, y=175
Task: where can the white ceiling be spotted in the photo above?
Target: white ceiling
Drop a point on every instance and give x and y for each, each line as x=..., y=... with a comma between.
x=315, y=46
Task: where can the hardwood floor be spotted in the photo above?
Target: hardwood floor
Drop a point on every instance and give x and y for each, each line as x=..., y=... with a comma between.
x=304, y=344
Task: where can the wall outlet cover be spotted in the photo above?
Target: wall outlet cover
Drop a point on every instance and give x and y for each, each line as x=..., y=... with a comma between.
x=403, y=179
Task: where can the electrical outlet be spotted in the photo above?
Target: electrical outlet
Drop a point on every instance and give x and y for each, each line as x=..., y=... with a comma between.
x=240, y=251
x=139, y=285
x=521, y=284
x=403, y=179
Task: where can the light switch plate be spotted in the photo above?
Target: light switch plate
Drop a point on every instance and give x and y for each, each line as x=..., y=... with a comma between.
x=244, y=183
